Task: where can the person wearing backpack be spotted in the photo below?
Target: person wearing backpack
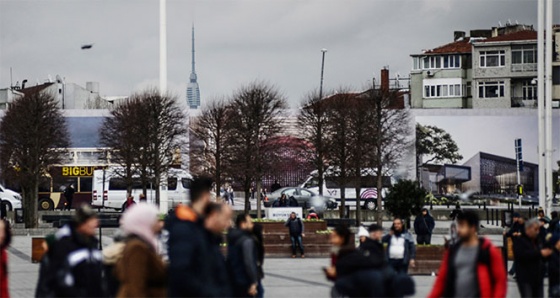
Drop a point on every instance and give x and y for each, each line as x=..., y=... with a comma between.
x=423, y=226
x=472, y=267
x=296, y=228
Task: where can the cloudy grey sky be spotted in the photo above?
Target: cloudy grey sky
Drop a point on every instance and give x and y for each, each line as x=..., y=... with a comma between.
x=238, y=41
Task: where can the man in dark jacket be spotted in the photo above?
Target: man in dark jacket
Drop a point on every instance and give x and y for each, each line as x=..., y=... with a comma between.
x=259, y=242
x=401, y=250
x=217, y=219
x=554, y=225
x=69, y=196
x=423, y=226
x=296, y=229
x=189, y=248
x=74, y=258
x=373, y=247
x=242, y=258
x=528, y=254
x=516, y=230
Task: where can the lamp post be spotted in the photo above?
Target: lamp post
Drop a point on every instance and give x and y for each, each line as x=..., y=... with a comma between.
x=324, y=51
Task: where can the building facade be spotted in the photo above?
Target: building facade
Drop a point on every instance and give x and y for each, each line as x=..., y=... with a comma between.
x=497, y=175
x=491, y=68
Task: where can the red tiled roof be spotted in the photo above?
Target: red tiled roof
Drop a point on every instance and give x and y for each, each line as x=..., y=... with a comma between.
x=457, y=47
x=34, y=89
x=515, y=36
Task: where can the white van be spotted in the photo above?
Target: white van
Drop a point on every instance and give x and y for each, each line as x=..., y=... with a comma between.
x=10, y=199
x=178, y=184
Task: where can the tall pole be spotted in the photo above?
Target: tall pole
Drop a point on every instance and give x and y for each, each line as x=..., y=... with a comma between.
x=163, y=198
x=548, y=97
x=541, y=102
x=162, y=47
x=324, y=51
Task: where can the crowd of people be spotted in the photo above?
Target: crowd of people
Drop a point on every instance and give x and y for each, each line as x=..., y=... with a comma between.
x=180, y=254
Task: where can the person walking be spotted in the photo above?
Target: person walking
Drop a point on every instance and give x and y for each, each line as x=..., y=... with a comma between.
x=69, y=196
x=231, y=195
x=516, y=230
x=472, y=267
x=217, y=219
x=296, y=229
x=259, y=242
x=401, y=249
x=554, y=266
x=75, y=259
x=528, y=255
x=5, y=240
x=424, y=225
x=129, y=202
x=140, y=270
x=188, y=246
x=372, y=244
x=242, y=258
x=554, y=225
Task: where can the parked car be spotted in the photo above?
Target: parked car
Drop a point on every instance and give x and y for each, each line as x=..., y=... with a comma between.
x=304, y=197
x=10, y=199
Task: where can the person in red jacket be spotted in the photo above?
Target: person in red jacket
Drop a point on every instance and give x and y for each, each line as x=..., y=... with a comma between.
x=5, y=239
x=472, y=267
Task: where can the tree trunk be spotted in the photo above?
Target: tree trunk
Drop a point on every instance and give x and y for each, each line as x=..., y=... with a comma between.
x=247, y=186
x=258, y=198
x=30, y=203
x=358, y=205
x=379, y=218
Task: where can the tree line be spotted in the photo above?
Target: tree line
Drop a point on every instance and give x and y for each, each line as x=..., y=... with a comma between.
x=349, y=132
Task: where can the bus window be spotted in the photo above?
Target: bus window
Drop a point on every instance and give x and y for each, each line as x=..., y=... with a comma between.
x=171, y=183
x=60, y=183
x=186, y=183
x=117, y=184
x=85, y=184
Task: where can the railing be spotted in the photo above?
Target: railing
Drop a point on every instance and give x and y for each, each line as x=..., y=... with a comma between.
x=524, y=67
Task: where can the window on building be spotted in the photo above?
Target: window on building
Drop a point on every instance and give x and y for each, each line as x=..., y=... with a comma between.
x=524, y=54
x=491, y=89
x=492, y=58
x=442, y=90
x=439, y=62
x=529, y=91
x=556, y=75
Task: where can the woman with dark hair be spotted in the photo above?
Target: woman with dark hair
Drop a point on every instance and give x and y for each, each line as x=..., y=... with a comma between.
x=5, y=239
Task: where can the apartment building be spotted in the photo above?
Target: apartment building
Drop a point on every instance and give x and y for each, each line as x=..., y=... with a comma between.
x=491, y=68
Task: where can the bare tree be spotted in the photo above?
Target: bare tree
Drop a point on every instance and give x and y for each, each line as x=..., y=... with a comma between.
x=163, y=129
x=33, y=136
x=213, y=129
x=312, y=121
x=120, y=133
x=144, y=132
x=339, y=134
x=257, y=109
x=392, y=135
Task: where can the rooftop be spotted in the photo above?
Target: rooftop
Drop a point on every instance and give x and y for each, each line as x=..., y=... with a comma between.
x=457, y=47
x=515, y=36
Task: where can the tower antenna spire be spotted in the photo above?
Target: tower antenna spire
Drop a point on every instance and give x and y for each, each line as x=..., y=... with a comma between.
x=193, y=70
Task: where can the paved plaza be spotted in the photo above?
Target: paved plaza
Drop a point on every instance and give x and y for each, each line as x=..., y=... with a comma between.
x=284, y=277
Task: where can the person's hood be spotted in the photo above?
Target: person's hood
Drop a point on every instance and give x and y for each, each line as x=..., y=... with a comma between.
x=139, y=220
x=362, y=232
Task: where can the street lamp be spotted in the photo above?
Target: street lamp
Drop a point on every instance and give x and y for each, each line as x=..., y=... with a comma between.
x=323, y=50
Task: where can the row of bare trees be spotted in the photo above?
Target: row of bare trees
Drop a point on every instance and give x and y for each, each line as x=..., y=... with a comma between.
x=144, y=132
x=356, y=133
x=236, y=134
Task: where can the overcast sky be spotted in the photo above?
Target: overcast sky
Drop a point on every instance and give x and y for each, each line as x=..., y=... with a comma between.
x=237, y=41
